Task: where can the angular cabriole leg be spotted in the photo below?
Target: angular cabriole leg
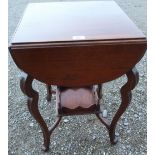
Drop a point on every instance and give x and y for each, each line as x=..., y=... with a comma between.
x=126, y=95
x=26, y=87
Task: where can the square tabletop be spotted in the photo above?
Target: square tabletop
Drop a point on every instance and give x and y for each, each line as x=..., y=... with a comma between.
x=73, y=21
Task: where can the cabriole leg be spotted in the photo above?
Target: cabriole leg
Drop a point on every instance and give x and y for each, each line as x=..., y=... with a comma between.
x=126, y=95
x=26, y=87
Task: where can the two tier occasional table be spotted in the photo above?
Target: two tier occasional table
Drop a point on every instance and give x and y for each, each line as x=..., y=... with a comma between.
x=76, y=46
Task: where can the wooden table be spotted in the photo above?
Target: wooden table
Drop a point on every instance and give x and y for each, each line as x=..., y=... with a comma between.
x=76, y=45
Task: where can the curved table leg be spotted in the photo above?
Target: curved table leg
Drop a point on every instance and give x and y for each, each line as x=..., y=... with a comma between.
x=126, y=95
x=26, y=87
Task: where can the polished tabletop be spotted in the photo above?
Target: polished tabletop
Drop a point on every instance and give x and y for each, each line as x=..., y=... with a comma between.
x=72, y=21
x=76, y=43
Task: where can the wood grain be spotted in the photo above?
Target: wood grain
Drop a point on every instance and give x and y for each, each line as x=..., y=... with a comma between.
x=78, y=64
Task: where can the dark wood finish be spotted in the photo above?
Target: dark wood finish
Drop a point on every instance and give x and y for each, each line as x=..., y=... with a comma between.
x=99, y=91
x=97, y=65
x=76, y=45
x=49, y=94
x=126, y=95
x=26, y=87
x=133, y=78
x=47, y=51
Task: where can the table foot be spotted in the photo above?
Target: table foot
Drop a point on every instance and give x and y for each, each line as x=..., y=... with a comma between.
x=45, y=148
x=104, y=121
x=26, y=87
x=113, y=138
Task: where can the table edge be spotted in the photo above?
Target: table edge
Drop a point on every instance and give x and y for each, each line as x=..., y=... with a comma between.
x=78, y=43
